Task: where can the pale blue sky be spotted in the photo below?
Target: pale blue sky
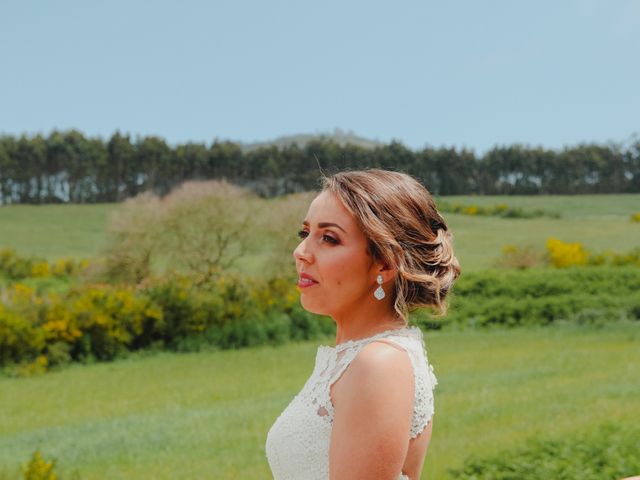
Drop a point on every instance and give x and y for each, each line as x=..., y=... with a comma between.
x=462, y=73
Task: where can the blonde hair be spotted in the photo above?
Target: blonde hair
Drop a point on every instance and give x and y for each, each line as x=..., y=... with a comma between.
x=405, y=231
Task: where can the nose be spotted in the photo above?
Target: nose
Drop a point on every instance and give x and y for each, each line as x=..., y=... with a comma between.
x=301, y=253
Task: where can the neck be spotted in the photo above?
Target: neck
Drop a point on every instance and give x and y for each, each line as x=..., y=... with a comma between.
x=367, y=320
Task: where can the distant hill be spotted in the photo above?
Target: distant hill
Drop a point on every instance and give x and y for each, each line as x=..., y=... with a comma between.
x=339, y=136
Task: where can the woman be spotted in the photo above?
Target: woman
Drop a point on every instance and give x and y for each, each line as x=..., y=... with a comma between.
x=373, y=246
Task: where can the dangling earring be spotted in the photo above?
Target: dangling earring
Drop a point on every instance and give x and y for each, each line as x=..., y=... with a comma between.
x=379, y=293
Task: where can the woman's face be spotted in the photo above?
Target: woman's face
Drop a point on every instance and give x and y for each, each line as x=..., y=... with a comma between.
x=335, y=270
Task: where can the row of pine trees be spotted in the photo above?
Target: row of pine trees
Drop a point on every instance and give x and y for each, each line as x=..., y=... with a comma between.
x=66, y=166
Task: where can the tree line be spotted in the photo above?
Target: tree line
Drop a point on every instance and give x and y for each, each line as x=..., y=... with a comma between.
x=66, y=166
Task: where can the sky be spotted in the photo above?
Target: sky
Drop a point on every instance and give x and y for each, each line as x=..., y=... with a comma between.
x=468, y=74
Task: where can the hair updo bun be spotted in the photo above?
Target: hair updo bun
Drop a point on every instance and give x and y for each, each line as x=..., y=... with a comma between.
x=405, y=231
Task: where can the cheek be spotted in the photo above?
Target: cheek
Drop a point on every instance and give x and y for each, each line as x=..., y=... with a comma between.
x=348, y=268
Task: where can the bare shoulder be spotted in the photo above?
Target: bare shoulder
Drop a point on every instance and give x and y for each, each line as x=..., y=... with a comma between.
x=382, y=357
x=377, y=368
x=372, y=418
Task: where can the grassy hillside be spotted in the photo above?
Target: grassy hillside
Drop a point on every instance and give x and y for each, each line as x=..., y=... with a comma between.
x=206, y=415
x=54, y=231
x=599, y=221
x=570, y=206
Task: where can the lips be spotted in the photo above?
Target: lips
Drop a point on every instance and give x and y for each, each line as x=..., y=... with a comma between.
x=305, y=280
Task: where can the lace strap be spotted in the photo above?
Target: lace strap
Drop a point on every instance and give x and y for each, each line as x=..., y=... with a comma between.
x=345, y=353
x=335, y=361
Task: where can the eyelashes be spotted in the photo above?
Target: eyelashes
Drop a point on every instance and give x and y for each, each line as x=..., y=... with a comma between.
x=329, y=239
x=302, y=234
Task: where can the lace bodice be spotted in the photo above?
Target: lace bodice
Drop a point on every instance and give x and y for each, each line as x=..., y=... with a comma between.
x=297, y=444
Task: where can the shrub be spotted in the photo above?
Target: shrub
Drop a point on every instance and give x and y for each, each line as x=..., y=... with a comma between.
x=609, y=452
x=39, y=469
x=562, y=255
x=200, y=227
x=104, y=321
x=611, y=258
x=280, y=221
x=542, y=296
x=207, y=226
x=20, y=339
x=16, y=267
x=134, y=239
x=514, y=256
x=13, y=266
x=232, y=312
x=635, y=217
x=40, y=330
x=499, y=210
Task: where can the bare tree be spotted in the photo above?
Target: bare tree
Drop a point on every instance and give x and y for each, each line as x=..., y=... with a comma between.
x=206, y=226
x=134, y=231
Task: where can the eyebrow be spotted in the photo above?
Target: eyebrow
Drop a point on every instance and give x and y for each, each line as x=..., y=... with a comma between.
x=325, y=225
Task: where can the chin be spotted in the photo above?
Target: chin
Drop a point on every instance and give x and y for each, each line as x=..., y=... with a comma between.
x=313, y=306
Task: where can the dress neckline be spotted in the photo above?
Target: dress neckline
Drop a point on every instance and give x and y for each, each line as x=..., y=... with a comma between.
x=392, y=331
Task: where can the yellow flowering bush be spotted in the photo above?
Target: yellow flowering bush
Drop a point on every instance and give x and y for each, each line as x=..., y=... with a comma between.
x=471, y=210
x=635, y=217
x=38, y=366
x=16, y=267
x=499, y=210
x=100, y=321
x=562, y=255
x=40, y=270
x=111, y=319
x=13, y=266
x=39, y=469
x=67, y=267
x=19, y=338
x=61, y=325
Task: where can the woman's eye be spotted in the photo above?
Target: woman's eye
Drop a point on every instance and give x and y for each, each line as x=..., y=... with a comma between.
x=329, y=239
x=325, y=238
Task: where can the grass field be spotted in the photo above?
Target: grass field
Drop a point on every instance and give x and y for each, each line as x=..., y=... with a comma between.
x=206, y=415
x=598, y=221
x=55, y=231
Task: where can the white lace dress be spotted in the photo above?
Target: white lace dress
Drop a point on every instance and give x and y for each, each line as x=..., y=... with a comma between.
x=297, y=444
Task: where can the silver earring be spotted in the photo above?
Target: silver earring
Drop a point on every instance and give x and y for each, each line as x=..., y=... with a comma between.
x=379, y=293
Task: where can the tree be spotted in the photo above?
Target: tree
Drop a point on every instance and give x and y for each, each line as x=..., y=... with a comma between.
x=134, y=239
x=206, y=226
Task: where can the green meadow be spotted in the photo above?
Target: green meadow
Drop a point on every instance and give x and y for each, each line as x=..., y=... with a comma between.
x=206, y=415
x=600, y=222
x=55, y=231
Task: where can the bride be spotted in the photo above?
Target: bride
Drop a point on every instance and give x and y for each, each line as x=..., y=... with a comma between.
x=373, y=247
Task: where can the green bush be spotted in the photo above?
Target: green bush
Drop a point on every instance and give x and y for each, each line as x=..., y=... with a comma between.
x=39, y=469
x=609, y=452
x=16, y=267
x=541, y=297
x=562, y=255
x=20, y=337
x=499, y=210
x=102, y=322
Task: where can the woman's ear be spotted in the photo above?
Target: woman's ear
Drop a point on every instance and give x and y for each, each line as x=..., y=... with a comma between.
x=388, y=274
